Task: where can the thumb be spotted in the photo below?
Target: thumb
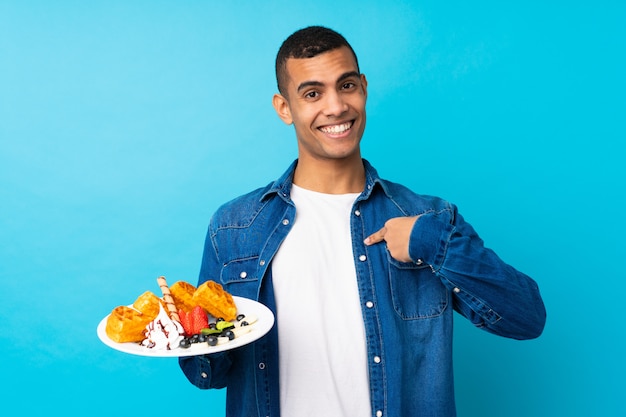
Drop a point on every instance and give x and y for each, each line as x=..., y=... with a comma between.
x=376, y=237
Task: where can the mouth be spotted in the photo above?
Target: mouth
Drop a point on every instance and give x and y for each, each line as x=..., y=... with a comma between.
x=338, y=129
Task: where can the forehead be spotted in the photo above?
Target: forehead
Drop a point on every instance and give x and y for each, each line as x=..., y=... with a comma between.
x=327, y=67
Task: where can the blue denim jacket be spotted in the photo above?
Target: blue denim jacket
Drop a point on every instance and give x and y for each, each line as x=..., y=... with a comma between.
x=407, y=307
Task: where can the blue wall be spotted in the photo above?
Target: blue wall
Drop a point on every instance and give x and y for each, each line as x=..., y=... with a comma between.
x=123, y=125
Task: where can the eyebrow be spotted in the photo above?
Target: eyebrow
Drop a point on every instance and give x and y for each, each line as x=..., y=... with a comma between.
x=343, y=76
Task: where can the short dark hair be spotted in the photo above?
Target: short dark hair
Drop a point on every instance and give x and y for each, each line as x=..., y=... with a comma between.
x=307, y=43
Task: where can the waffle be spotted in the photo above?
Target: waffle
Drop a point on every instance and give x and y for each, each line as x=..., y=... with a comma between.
x=217, y=302
x=182, y=293
x=125, y=324
x=148, y=303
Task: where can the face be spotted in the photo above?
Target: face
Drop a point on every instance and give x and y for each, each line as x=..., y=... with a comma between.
x=325, y=101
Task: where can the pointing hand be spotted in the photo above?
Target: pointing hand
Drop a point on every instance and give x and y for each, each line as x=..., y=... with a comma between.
x=396, y=233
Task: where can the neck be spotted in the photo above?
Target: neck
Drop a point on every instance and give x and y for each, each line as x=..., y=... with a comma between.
x=331, y=176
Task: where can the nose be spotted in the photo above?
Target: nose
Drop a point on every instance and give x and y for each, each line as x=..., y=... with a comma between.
x=335, y=105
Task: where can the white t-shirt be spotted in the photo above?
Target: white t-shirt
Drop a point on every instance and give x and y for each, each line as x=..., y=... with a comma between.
x=321, y=336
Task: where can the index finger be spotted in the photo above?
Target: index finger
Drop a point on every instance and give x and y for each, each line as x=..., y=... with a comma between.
x=376, y=237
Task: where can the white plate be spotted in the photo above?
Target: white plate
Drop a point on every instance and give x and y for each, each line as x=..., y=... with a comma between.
x=265, y=321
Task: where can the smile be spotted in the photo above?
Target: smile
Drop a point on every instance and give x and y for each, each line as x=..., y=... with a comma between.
x=337, y=129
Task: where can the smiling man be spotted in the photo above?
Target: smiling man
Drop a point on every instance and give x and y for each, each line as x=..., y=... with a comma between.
x=362, y=274
x=324, y=98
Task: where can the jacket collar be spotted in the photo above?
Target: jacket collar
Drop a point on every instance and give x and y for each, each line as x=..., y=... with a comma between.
x=282, y=186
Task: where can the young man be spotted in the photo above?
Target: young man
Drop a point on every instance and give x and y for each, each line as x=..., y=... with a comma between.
x=362, y=274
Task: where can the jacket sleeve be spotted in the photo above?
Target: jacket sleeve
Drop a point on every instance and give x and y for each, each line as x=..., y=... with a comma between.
x=491, y=294
x=207, y=371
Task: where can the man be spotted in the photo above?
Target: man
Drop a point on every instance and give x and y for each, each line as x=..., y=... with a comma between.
x=362, y=274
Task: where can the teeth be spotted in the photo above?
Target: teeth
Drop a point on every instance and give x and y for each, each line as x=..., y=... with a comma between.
x=336, y=128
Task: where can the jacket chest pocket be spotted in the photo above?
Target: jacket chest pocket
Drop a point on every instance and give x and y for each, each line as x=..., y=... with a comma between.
x=416, y=292
x=240, y=277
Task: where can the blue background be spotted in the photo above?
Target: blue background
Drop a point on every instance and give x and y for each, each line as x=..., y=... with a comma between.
x=124, y=124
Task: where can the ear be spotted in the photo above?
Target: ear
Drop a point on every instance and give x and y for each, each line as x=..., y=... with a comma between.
x=281, y=105
x=364, y=85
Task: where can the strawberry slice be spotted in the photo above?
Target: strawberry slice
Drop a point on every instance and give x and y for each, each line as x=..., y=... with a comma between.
x=199, y=320
x=185, y=320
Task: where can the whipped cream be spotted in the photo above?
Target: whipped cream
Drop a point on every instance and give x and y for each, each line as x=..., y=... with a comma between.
x=163, y=333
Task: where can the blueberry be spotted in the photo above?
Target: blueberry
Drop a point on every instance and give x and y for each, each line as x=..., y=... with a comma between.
x=211, y=340
x=229, y=334
x=241, y=317
x=185, y=343
x=244, y=323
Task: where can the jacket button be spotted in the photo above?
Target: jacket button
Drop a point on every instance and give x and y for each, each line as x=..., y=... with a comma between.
x=357, y=212
x=261, y=365
x=243, y=274
x=362, y=258
x=286, y=222
x=204, y=375
x=379, y=413
x=262, y=262
x=456, y=290
x=376, y=359
x=369, y=304
x=419, y=261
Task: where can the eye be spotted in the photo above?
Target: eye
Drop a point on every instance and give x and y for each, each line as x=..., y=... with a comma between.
x=311, y=95
x=348, y=85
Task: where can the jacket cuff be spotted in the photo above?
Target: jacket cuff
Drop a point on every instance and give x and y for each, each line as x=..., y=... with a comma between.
x=429, y=240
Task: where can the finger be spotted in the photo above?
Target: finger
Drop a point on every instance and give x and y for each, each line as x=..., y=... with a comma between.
x=376, y=237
